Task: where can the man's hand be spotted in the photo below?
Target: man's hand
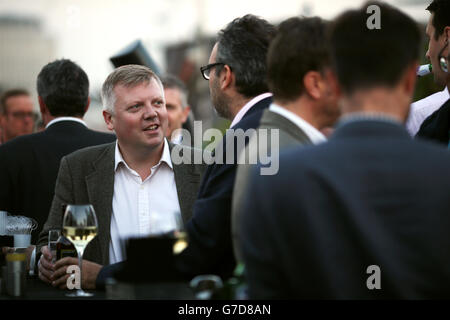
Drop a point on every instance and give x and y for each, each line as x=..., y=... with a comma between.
x=45, y=265
x=89, y=273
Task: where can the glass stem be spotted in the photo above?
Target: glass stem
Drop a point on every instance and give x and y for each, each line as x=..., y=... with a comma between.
x=80, y=263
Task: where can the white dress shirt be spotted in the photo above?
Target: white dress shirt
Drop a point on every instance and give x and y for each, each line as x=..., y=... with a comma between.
x=59, y=119
x=247, y=107
x=312, y=133
x=422, y=109
x=141, y=208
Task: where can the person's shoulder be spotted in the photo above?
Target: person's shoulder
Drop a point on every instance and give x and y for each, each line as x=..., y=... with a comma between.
x=105, y=136
x=90, y=153
x=253, y=116
x=430, y=150
x=22, y=143
x=251, y=121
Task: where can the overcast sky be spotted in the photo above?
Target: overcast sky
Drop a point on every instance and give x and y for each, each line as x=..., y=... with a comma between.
x=90, y=31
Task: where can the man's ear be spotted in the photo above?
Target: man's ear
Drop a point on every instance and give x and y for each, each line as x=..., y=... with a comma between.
x=447, y=33
x=226, y=77
x=312, y=83
x=186, y=111
x=107, y=116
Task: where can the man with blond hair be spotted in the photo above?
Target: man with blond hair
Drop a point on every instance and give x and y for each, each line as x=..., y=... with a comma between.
x=130, y=182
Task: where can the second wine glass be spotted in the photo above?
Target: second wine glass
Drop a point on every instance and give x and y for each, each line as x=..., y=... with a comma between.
x=80, y=227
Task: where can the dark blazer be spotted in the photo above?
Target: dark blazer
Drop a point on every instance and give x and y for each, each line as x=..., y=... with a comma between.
x=210, y=249
x=87, y=176
x=437, y=126
x=370, y=196
x=289, y=136
x=29, y=165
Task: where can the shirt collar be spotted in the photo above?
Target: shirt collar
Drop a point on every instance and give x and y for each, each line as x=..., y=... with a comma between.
x=59, y=119
x=247, y=107
x=313, y=134
x=164, y=158
x=364, y=116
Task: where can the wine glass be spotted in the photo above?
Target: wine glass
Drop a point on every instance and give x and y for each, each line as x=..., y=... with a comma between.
x=80, y=227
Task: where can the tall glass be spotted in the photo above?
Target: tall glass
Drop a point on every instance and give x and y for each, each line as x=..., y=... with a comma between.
x=53, y=236
x=80, y=227
x=179, y=233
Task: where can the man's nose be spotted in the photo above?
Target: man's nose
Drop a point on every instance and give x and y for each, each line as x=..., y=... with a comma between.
x=28, y=118
x=149, y=112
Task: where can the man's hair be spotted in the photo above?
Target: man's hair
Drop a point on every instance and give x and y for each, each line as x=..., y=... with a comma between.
x=441, y=10
x=170, y=81
x=365, y=58
x=9, y=94
x=299, y=47
x=243, y=46
x=64, y=88
x=129, y=75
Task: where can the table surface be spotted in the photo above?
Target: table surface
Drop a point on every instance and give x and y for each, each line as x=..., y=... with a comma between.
x=38, y=290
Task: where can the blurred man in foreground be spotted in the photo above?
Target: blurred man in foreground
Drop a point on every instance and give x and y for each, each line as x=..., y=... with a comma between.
x=365, y=215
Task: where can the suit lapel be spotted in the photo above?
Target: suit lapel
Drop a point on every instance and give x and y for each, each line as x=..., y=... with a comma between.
x=100, y=187
x=187, y=182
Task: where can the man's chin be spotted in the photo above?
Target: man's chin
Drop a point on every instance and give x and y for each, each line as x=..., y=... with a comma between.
x=155, y=143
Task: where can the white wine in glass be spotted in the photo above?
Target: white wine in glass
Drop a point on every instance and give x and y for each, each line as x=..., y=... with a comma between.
x=80, y=227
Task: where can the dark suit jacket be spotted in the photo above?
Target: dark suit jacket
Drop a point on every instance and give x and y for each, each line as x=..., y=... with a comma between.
x=29, y=166
x=87, y=176
x=437, y=126
x=210, y=249
x=370, y=196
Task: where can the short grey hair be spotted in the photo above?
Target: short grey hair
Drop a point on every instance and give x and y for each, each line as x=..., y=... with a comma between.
x=170, y=81
x=129, y=76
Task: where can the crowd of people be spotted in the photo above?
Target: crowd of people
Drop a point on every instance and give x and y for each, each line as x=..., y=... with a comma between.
x=327, y=100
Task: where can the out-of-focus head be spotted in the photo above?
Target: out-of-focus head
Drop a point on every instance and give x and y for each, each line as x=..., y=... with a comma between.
x=241, y=49
x=438, y=32
x=63, y=87
x=365, y=58
x=134, y=107
x=16, y=114
x=298, y=62
x=175, y=93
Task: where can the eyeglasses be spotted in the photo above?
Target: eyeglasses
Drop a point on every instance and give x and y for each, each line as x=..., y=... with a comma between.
x=22, y=115
x=205, y=70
